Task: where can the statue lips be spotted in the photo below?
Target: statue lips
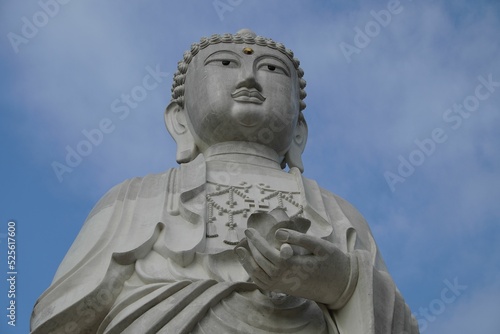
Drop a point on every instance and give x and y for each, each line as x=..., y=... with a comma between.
x=248, y=96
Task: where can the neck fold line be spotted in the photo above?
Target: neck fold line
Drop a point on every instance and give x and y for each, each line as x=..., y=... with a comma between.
x=244, y=153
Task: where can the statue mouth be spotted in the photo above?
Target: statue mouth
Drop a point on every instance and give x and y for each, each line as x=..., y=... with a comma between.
x=248, y=96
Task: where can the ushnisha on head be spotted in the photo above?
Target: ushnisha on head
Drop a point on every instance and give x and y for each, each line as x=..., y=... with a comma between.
x=238, y=88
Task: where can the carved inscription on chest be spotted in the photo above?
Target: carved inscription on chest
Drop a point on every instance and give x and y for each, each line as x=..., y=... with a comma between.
x=228, y=206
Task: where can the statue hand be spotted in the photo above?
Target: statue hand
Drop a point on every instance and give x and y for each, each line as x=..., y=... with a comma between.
x=323, y=275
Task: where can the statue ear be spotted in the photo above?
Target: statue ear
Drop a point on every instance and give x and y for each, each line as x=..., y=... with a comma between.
x=293, y=157
x=176, y=122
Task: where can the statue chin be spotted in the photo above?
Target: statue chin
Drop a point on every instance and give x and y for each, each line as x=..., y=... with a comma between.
x=248, y=116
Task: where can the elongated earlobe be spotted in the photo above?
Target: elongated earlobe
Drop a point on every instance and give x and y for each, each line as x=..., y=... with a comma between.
x=293, y=157
x=176, y=122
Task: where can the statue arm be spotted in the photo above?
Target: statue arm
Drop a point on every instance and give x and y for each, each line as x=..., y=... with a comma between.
x=100, y=259
x=375, y=296
x=82, y=267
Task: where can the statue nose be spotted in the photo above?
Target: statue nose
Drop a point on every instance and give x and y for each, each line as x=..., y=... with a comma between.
x=248, y=79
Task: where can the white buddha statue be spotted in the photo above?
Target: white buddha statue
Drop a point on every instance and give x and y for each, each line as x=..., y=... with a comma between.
x=229, y=242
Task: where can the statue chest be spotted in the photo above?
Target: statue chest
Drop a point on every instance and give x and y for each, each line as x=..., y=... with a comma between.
x=231, y=199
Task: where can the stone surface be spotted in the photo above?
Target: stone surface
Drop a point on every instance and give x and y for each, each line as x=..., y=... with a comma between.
x=229, y=242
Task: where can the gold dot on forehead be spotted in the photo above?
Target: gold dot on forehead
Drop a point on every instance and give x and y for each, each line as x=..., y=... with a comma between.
x=247, y=51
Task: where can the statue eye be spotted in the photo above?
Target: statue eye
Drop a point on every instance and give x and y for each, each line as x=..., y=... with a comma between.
x=223, y=62
x=273, y=68
x=223, y=59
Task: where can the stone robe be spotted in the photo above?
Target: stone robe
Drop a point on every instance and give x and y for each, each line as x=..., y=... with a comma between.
x=139, y=266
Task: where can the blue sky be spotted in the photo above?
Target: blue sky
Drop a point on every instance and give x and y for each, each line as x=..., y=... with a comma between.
x=375, y=98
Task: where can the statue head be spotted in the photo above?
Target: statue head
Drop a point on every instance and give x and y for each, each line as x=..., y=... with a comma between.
x=238, y=88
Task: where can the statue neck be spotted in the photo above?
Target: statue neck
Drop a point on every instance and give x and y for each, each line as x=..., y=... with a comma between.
x=245, y=153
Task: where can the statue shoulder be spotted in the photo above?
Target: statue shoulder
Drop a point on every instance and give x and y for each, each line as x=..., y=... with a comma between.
x=347, y=208
x=333, y=205
x=328, y=196
x=162, y=178
x=147, y=186
x=115, y=211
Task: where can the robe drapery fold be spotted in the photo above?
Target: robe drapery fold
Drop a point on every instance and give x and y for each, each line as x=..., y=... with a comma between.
x=211, y=307
x=124, y=227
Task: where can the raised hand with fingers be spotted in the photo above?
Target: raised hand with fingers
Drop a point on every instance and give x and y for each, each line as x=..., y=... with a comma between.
x=298, y=264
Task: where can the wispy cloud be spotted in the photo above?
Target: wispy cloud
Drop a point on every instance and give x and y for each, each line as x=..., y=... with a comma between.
x=478, y=311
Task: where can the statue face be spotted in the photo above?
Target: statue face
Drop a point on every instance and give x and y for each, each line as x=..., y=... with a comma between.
x=238, y=92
